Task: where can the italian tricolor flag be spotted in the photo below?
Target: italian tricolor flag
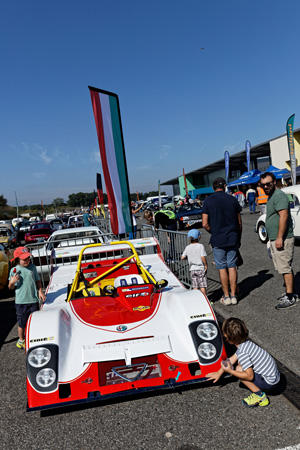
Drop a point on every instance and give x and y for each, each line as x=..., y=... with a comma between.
x=110, y=137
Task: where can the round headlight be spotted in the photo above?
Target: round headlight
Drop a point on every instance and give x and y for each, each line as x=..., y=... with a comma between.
x=39, y=357
x=207, y=331
x=207, y=350
x=45, y=377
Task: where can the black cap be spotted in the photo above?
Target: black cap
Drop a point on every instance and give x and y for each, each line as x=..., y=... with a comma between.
x=219, y=183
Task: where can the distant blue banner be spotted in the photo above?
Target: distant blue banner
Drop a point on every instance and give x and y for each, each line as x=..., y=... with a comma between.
x=290, y=138
x=226, y=157
x=248, y=148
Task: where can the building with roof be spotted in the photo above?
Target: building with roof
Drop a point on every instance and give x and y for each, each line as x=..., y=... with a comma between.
x=272, y=152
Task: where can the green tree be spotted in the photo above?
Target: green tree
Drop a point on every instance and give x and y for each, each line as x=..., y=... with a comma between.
x=3, y=201
x=58, y=201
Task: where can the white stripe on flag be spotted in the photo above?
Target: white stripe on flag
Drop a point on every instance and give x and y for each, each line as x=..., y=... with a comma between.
x=111, y=158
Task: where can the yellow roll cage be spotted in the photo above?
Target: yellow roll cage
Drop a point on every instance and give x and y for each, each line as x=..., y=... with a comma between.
x=147, y=277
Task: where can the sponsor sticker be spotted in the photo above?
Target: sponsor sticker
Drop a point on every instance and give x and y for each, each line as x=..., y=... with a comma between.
x=121, y=328
x=42, y=339
x=138, y=294
x=198, y=316
x=141, y=288
x=141, y=308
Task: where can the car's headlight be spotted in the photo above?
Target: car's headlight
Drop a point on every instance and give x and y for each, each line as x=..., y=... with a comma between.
x=39, y=357
x=207, y=331
x=45, y=377
x=207, y=350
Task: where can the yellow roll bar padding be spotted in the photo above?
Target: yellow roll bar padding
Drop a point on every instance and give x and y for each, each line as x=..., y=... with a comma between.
x=147, y=277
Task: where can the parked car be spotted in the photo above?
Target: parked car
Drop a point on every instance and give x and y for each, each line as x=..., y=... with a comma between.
x=67, y=244
x=39, y=232
x=22, y=229
x=293, y=193
x=77, y=221
x=187, y=216
x=109, y=328
x=58, y=223
x=6, y=256
x=8, y=235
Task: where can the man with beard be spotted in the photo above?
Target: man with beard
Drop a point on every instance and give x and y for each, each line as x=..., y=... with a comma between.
x=279, y=227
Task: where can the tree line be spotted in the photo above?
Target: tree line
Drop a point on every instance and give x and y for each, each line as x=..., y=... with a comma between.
x=85, y=199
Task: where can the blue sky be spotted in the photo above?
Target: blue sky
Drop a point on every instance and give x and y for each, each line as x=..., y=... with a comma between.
x=181, y=106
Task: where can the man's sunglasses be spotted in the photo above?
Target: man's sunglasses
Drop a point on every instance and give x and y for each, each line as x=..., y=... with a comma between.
x=267, y=184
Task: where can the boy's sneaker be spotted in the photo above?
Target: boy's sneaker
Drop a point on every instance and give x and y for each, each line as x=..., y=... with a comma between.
x=20, y=344
x=255, y=400
x=285, y=302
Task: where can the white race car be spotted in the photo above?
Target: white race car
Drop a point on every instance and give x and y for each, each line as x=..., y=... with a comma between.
x=119, y=323
x=293, y=193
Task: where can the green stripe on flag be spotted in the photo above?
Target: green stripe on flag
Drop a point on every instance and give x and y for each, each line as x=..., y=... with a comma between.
x=120, y=158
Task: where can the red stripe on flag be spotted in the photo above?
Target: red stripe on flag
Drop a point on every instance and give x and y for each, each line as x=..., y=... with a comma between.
x=100, y=196
x=110, y=193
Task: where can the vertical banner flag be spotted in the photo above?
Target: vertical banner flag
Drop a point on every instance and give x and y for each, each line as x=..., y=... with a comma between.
x=226, y=158
x=100, y=193
x=290, y=138
x=185, y=183
x=137, y=196
x=159, y=196
x=111, y=144
x=248, y=148
x=17, y=205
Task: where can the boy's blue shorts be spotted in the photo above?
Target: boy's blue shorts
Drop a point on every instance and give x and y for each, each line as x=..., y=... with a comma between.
x=261, y=383
x=23, y=312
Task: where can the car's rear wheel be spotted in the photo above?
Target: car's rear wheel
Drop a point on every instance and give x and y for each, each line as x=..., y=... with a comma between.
x=179, y=225
x=262, y=232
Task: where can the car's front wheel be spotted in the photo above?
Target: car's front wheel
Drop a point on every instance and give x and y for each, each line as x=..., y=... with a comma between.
x=262, y=232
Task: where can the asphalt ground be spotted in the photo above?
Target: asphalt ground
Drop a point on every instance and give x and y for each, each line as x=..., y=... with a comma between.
x=205, y=416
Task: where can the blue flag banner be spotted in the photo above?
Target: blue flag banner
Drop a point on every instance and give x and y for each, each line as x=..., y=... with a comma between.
x=248, y=148
x=290, y=138
x=226, y=158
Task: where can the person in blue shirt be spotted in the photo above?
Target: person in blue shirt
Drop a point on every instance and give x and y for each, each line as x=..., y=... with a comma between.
x=222, y=219
x=86, y=219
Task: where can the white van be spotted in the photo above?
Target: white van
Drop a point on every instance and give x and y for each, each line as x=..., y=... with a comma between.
x=50, y=216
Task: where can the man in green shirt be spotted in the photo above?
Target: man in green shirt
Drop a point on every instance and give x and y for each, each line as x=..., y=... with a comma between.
x=279, y=227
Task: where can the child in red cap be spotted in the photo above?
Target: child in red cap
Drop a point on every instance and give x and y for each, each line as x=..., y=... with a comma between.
x=26, y=281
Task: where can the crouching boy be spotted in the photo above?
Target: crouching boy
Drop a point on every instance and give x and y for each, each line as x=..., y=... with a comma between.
x=256, y=368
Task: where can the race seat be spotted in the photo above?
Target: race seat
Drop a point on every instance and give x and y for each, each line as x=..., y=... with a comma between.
x=128, y=280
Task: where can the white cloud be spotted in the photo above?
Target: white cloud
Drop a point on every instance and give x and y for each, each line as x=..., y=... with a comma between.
x=42, y=153
x=39, y=174
x=164, y=151
x=95, y=157
x=232, y=148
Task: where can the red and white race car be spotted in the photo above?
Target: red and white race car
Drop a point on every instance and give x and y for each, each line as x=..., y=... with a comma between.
x=118, y=323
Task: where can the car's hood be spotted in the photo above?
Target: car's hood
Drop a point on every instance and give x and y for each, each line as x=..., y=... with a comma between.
x=109, y=311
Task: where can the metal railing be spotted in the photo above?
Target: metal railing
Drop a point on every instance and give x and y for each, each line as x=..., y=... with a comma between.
x=62, y=251
x=172, y=244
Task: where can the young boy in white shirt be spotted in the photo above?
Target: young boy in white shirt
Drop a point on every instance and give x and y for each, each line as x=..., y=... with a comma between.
x=196, y=255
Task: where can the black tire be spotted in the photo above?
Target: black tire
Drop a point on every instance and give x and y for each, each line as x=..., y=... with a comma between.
x=179, y=225
x=262, y=232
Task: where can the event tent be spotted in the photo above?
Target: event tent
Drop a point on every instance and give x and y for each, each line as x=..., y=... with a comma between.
x=288, y=173
x=246, y=178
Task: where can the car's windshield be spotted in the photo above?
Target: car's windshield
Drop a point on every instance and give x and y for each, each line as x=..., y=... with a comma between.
x=39, y=226
x=4, y=232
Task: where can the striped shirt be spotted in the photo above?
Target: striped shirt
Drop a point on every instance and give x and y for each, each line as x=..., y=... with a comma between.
x=251, y=355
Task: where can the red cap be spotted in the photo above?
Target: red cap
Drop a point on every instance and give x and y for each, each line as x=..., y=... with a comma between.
x=22, y=253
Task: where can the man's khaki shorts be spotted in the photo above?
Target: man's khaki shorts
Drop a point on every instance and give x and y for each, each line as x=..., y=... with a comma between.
x=283, y=259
